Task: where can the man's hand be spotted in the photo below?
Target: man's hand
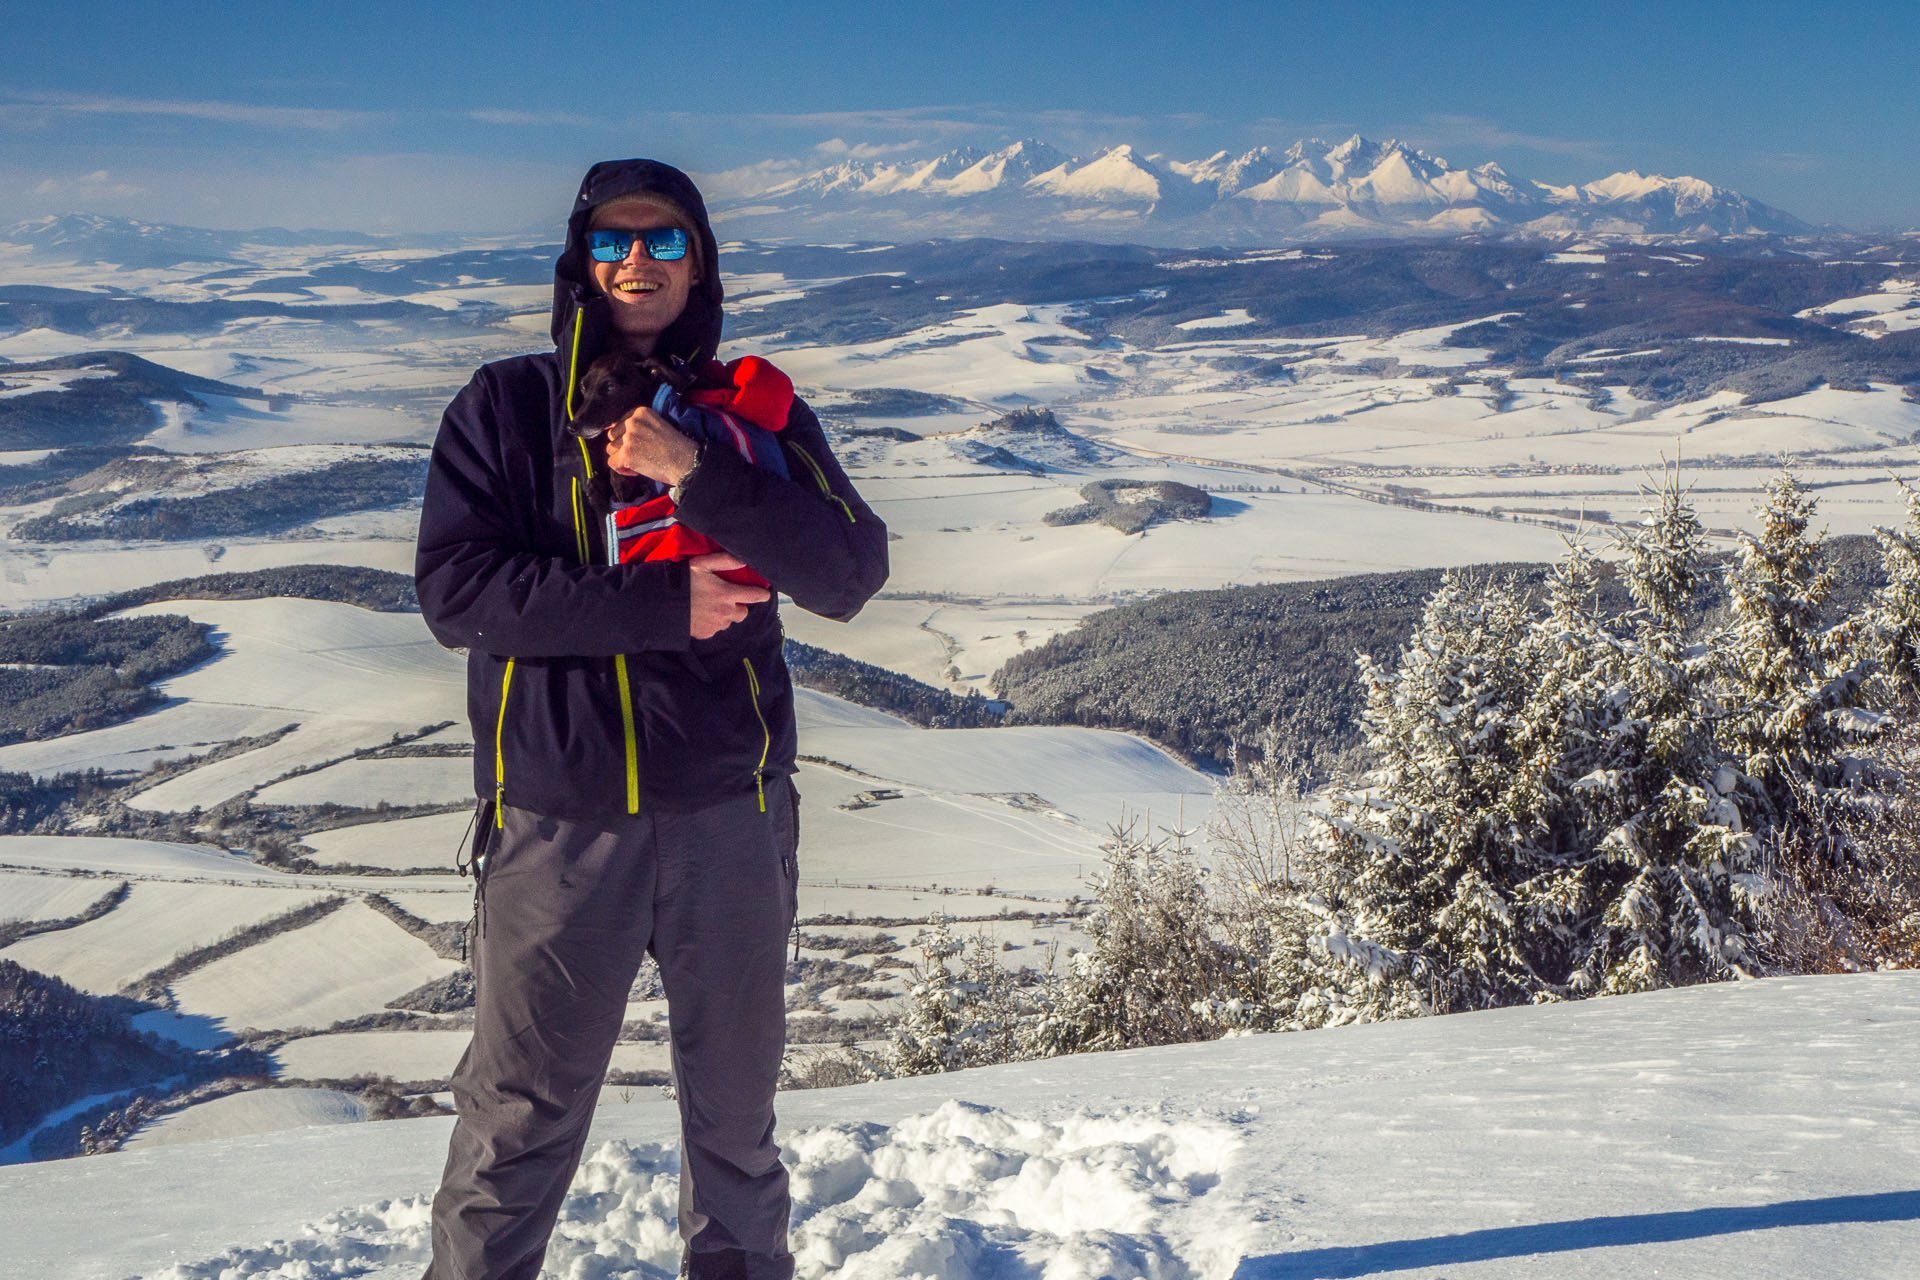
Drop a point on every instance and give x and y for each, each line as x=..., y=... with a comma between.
x=717, y=603
x=645, y=444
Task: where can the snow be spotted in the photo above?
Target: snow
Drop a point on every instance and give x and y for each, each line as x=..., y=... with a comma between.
x=1678, y=1133
x=1360, y=1155
x=36, y=381
x=1231, y=319
x=113, y=855
x=349, y=962
x=402, y=781
x=1115, y=174
x=24, y=896
x=1893, y=309
x=431, y=841
x=240, y=1114
x=403, y=1055
x=157, y=922
x=170, y=733
x=1073, y=769
x=983, y=354
x=348, y=677
x=38, y=574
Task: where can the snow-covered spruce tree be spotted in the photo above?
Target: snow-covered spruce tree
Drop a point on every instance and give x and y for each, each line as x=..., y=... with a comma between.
x=930, y=1036
x=962, y=1008
x=1566, y=733
x=1893, y=628
x=1839, y=844
x=1792, y=686
x=1668, y=896
x=1413, y=875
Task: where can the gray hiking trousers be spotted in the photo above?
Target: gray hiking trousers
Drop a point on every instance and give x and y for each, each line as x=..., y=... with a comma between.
x=566, y=912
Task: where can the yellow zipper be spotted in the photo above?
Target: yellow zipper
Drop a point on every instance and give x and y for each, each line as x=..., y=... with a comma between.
x=580, y=542
x=766, y=734
x=820, y=478
x=584, y=545
x=573, y=364
x=500, y=751
x=626, y=725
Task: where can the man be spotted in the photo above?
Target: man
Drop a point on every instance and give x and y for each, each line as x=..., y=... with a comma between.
x=634, y=742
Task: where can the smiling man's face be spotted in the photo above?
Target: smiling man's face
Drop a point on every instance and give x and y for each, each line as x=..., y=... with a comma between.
x=644, y=295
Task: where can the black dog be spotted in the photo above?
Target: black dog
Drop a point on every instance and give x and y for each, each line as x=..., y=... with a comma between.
x=619, y=383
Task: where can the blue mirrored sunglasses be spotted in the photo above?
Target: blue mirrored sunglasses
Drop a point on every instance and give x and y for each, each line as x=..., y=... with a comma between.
x=664, y=244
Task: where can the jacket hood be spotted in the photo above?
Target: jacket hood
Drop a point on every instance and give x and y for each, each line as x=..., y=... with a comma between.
x=695, y=336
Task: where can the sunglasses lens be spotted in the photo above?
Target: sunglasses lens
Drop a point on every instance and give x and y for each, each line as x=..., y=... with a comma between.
x=667, y=244
x=609, y=246
x=664, y=244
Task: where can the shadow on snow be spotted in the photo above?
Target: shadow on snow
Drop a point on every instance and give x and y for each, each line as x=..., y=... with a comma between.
x=1578, y=1233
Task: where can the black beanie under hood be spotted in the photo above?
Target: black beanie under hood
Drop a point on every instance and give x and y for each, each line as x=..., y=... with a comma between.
x=695, y=336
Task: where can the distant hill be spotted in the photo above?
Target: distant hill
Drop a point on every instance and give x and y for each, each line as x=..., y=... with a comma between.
x=110, y=406
x=58, y=1045
x=1670, y=326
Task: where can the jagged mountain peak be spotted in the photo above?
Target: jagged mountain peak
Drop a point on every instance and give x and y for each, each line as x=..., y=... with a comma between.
x=1310, y=189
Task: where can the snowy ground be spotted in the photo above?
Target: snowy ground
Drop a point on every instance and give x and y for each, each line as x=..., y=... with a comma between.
x=1735, y=1130
x=1680, y=1133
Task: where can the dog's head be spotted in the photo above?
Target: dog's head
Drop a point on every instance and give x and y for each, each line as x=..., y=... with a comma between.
x=614, y=387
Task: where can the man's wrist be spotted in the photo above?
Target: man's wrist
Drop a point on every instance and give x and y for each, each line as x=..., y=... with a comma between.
x=679, y=487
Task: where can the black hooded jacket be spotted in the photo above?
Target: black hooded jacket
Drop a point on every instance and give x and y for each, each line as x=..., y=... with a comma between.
x=588, y=696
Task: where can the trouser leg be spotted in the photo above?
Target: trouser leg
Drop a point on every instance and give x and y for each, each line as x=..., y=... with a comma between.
x=566, y=916
x=724, y=907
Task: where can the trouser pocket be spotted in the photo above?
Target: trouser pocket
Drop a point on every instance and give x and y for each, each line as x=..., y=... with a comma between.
x=790, y=849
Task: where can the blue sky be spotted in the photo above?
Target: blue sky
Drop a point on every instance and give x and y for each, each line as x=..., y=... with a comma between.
x=481, y=116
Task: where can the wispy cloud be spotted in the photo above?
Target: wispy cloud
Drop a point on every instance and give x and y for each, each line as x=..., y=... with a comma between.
x=844, y=150
x=1794, y=162
x=919, y=120
x=749, y=179
x=98, y=185
x=241, y=113
x=538, y=119
x=1477, y=131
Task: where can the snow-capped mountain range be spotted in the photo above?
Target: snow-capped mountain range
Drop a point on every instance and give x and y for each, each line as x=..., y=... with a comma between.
x=1311, y=190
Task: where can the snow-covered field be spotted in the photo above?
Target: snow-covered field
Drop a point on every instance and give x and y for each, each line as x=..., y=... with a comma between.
x=1310, y=474
x=158, y=921
x=1684, y=1133
x=1768, y=1129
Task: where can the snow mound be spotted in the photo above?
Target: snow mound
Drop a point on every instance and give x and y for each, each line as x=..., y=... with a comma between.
x=965, y=1190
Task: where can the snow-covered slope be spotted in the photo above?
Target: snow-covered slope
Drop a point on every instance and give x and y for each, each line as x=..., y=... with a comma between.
x=1674, y=1134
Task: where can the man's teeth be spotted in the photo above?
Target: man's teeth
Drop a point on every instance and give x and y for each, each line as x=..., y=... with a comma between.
x=636, y=286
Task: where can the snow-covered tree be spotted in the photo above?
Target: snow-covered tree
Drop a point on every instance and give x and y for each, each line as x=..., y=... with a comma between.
x=1893, y=628
x=931, y=1035
x=1793, y=686
x=1672, y=886
x=1416, y=870
x=963, y=1009
x=1167, y=964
